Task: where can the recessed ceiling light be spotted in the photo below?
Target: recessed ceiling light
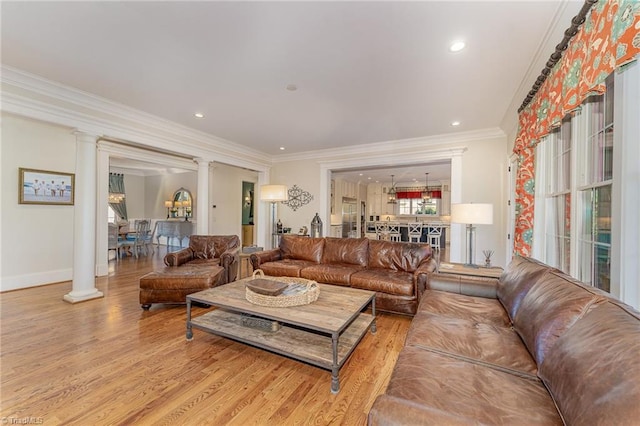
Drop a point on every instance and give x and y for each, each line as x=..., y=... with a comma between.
x=455, y=123
x=199, y=115
x=292, y=87
x=370, y=178
x=456, y=46
x=360, y=174
x=282, y=148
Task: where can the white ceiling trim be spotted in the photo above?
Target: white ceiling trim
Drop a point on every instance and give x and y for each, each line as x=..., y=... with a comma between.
x=146, y=156
x=146, y=129
x=393, y=160
x=384, y=150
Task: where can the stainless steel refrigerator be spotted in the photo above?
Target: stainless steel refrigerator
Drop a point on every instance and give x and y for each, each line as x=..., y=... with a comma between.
x=349, y=217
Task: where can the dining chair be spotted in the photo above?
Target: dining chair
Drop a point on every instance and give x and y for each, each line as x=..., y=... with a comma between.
x=141, y=238
x=113, y=239
x=415, y=232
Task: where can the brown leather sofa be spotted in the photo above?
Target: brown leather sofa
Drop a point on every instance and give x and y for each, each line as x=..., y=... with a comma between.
x=397, y=272
x=209, y=250
x=545, y=350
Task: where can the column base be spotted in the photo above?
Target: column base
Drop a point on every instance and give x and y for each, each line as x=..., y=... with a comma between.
x=76, y=297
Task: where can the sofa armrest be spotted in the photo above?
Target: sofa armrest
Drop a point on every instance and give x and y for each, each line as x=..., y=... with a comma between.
x=463, y=284
x=179, y=257
x=229, y=260
x=260, y=257
x=421, y=275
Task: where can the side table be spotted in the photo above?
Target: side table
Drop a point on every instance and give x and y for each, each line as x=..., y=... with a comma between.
x=460, y=269
x=244, y=265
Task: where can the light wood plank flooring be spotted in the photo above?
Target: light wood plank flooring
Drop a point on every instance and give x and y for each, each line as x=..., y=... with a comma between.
x=108, y=362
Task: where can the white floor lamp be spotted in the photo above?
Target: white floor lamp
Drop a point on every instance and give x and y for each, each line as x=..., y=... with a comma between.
x=471, y=214
x=273, y=194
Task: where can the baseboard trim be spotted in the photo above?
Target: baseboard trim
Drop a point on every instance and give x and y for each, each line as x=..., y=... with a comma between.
x=36, y=279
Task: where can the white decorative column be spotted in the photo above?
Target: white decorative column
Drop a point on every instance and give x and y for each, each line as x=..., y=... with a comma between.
x=202, y=200
x=84, y=223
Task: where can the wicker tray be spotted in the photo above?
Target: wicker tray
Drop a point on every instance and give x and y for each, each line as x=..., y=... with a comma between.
x=300, y=292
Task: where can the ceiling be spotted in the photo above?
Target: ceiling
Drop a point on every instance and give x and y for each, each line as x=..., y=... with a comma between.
x=364, y=71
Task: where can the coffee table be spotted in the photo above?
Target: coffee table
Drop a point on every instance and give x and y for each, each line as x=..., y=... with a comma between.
x=323, y=333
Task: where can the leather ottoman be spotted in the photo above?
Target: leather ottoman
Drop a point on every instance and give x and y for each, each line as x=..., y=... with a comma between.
x=173, y=284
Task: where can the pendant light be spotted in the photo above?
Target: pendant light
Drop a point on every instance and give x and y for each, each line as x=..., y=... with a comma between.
x=392, y=193
x=426, y=195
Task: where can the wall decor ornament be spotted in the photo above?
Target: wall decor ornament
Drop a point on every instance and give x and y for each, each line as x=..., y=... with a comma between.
x=298, y=197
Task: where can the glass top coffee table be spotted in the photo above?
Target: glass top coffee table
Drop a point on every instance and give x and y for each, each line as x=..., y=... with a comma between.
x=323, y=333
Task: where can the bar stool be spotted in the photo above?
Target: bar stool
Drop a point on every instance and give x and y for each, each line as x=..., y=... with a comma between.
x=415, y=232
x=394, y=231
x=434, y=235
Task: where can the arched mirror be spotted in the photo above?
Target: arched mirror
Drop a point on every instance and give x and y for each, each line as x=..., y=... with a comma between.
x=183, y=203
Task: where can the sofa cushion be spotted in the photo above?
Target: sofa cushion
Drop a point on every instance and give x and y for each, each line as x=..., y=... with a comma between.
x=477, y=309
x=483, y=395
x=349, y=251
x=553, y=305
x=516, y=281
x=203, y=262
x=498, y=347
x=302, y=248
x=384, y=281
x=330, y=273
x=597, y=360
x=285, y=268
x=388, y=410
x=397, y=256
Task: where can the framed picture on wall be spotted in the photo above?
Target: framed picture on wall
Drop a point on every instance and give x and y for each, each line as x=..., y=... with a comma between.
x=45, y=187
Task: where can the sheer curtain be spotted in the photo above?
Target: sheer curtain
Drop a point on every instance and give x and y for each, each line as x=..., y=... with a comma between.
x=117, y=199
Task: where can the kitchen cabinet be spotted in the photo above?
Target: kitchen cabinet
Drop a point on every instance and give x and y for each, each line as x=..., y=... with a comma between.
x=445, y=202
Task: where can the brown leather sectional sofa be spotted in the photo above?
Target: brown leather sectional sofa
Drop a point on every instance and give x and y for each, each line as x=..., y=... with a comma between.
x=397, y=272
x=544, y=350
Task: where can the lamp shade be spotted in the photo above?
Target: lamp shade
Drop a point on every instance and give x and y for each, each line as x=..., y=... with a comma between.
x=168, y=203
x=274, y=193
x=471, y=213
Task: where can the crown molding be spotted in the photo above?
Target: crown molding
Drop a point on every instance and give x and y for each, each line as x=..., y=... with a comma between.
x=35, y=97
x=418, y=147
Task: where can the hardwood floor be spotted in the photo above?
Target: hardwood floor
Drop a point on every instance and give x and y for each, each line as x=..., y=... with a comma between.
x=106, y=361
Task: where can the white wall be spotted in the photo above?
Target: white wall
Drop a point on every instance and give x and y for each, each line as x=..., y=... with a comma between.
x=484, y=180
x=225, y=193
x=134, y=187
x=305, y=174
x=37, y=240
x=158, y=189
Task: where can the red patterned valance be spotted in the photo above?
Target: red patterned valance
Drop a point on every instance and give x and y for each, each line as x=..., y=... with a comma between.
x=609, y=38
x=417, y=194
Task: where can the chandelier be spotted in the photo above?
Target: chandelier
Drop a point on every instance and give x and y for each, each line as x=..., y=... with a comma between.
x=116, y=197
x=392, y=193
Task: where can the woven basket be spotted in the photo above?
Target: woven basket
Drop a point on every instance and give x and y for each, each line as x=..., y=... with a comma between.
x=308, y=295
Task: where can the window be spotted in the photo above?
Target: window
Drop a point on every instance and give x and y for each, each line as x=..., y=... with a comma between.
x=555, y=163
x=595, y=174
x=574, y=167
x=111, y=215
x=412, y=206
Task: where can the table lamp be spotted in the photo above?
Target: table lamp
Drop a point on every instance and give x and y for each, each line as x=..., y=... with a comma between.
x=273, y=194
x=471, y=214
x=168, y=205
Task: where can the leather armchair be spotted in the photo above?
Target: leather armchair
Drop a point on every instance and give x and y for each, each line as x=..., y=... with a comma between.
x=209, y=250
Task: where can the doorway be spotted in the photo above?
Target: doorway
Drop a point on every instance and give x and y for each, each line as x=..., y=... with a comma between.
x=247, y=213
